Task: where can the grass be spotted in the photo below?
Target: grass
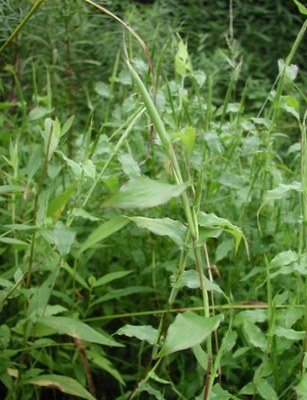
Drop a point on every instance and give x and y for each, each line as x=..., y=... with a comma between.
x=153, y=239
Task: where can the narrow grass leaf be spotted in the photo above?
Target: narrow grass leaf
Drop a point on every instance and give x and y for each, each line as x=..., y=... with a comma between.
x=103, y=231
x=301, y=7
x=58, y=204
x=144, y=193
x=9, y=240
x=11, y=189
x=63, y=383
x=75, y=328
x=141, y=332
x=175, y=230
x=75, y=275
x=188, y=330
x=112, y=276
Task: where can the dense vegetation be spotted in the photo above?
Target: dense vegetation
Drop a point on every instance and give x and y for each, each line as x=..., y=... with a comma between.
x=154, y=200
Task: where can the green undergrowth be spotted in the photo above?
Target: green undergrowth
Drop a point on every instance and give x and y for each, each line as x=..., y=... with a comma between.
x=153, y=202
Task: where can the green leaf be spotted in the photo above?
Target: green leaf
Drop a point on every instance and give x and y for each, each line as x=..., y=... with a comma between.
x=116, y=294
x=188, y=330
x=105, y=364
x=201, y=356
x=190, y=279
x=112, y=276
x=79, y=212
x=58, y=204
x=38, y=112
x=290, y=334
x=175, y=230
x=254, y=335
x=11, y=189
x=129, y=165
x=141, y=332
x=188, y=139
x=212, y=221
x=63, y=238
x=75, y=275
x=75, y=328
x=183, y=63
x=67, y=125
x=301, y=7
x=280, y=191
x=301, y=388
x=63, y=383
x=8, y=240
x=103, y=231
x=144, y=193
x=266, y=391
x=284, y=258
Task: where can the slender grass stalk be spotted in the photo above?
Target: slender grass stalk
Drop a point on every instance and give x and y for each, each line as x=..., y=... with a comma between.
x=22, y=23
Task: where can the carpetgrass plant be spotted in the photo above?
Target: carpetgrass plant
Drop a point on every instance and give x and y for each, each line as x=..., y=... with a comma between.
x=153, y=232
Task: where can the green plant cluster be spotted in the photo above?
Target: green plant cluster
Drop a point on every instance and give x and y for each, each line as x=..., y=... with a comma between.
x=153, y=184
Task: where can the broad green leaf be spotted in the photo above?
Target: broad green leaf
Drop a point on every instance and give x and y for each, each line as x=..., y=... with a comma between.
x=175, y=230
x=144, y=193
x=75, y=328
x=280, y=191
x=290, y=71
x=212, y=221
x=89, y=169
x=58, y=204
x=301, y=388
x=63, y=238
x=190, y=279
x=63, y=383
x=254, y=335
x=188, y=138
x=102, y=89
x=105, y=364
x=266, y=391
x=301, y=7
x=129, y=165
x=103, y=231
x=38, y=112
x=188, y=330
x=141, y=332
x=112, y=276
x=290, y=334
x=201, y=356
x=284, y=258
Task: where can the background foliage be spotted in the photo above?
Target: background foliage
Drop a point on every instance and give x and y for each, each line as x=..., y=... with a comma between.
x=102, y=236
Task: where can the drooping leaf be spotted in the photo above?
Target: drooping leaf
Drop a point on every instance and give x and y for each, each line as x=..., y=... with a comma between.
x=75, y=328
x=212, y=221
x=105, y=364
x=144, y=193
x=141, y=332
x=58, y=204
x=188, y=330
x=103, y=231
x=175, y=230
x=63, y=383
